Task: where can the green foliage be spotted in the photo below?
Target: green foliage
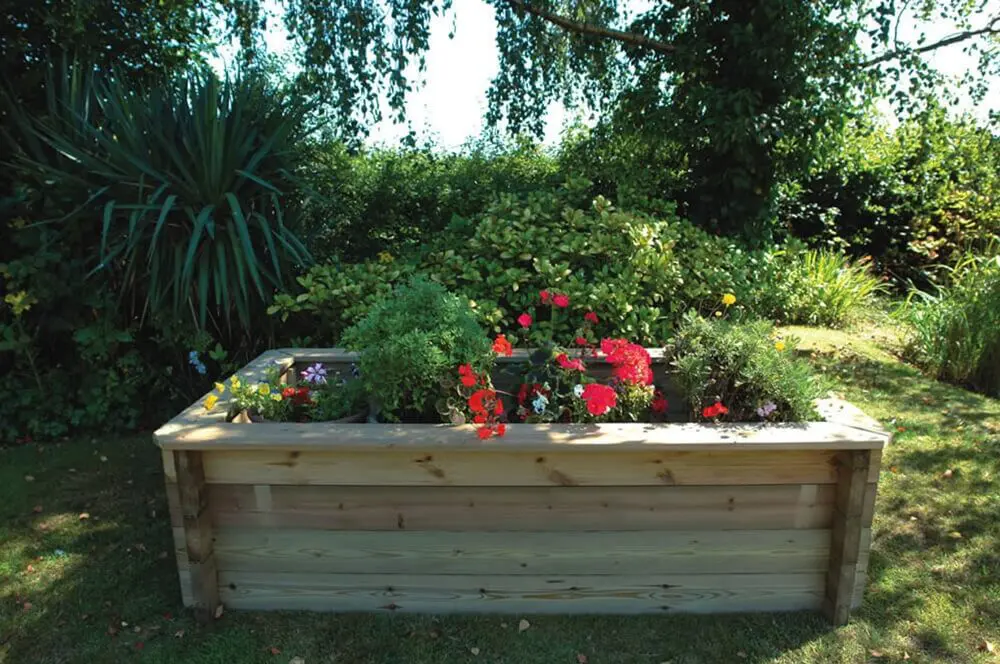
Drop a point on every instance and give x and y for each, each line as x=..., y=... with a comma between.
x=955, y=332
x=744, y=366
x=339, y=397
x=910, y=198
x=413, y=340
x=825, y=288
x=187, y=182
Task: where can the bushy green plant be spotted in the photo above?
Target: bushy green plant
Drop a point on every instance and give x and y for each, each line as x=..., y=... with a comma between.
x=823, y=287
x=955, y=331
x=743, y=366
x=411, y=342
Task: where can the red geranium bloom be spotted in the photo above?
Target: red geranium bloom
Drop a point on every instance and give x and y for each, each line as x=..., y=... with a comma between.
x=501, y=429
x=545, y=295
x=561, y=300
x=466, y=375
x=591, y=317
x=600, y=398
x=288, y=392
x=484, y=432
x=502, y=347
x=480, y=418
x=570, y=365
x=479, y=399
x=714, y=410
x=581, y=341
x=631, y=361
x=524, y=320
x=498, y=408
x=659, y=404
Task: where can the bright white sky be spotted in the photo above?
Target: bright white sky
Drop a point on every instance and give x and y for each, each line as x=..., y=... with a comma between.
x=450, y=107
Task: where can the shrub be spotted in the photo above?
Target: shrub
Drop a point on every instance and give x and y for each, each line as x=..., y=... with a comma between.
x=956, y=330
x=411, y=343
x=823, y=287
x=745, y=368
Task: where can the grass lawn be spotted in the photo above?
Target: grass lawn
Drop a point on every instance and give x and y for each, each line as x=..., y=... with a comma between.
x=86, y=574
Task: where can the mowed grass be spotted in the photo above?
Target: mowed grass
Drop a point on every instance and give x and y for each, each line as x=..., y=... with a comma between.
x=102, y=588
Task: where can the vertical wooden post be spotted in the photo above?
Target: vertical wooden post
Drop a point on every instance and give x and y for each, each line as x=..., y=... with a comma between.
x=848, y=524
x=198, y=535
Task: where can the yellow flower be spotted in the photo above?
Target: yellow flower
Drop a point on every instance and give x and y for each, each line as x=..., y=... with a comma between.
x=234, y=382
x=718, y=314
x=210, y=401
x=729, y=299
x=276, y=396
x=385, y=257
x=264, y=389
x=220, y=388
x=779, y=345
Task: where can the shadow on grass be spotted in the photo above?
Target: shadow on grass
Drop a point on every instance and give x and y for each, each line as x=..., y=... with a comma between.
x=118, y=576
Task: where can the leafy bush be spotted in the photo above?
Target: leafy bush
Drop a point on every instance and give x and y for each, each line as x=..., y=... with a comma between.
x=825, y=288
x=956, y=330
x=411, y=342
x=744, y=367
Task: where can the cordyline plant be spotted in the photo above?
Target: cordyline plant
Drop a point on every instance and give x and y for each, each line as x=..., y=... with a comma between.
x=186, y=184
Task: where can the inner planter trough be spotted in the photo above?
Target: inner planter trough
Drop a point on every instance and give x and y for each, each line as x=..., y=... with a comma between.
x=570, y=518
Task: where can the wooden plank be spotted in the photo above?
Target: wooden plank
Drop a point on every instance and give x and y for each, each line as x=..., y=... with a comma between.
x=499, y=466
x=498, y=553
x=847, y=535
x=169, y=470
x=211, y=435
x=198, y=535
x=523, y=508
x=523, y=594
x=834, y=409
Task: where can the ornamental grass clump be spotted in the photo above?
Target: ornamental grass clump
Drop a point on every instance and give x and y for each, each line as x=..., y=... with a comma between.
x=409, y=345
x=741, y=372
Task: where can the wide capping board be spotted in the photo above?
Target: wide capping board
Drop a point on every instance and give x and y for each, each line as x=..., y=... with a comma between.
x=195, y=428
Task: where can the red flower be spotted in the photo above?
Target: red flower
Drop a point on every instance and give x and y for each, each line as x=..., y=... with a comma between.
x=529, y=390
x=288, y=392
x=502, y=347
x=561, y=300
x=659, y=404
x=524, y=320
x=466, y=375
x=568, y=364
x=714, y=410
x=484, y=432
x=591, y=317
x=581, y=341
x=479, y=399
x=600, y=398
x=545, y=295
x=631, y=361
x=501, y=429
x=480, y=418
x=498, y=408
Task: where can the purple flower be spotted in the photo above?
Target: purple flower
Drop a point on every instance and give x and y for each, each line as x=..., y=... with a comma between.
x=765, y=411
x=315, y=374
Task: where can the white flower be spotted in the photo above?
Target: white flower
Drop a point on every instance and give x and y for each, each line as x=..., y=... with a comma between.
x=540, y=403
x=578, y=391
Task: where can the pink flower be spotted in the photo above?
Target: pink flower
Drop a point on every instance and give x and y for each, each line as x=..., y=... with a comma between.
x=659, y=404
x=600, y=398
x=561, y=301
x=570, y=365
x=545, y=295
x=524, y=320
x=591, y=317
x=581, y=341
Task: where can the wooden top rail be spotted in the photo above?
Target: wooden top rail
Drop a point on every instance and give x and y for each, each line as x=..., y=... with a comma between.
x=845, y=427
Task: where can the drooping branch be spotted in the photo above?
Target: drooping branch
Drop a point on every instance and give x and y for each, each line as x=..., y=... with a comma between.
x=590, y=29
x=991, y=28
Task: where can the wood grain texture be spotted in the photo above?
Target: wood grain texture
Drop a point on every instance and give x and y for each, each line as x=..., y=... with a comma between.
x=501, y=553
x=500, y=466
x=523, y=508
x=847, y=537
x=198, y=534
x=523, y=594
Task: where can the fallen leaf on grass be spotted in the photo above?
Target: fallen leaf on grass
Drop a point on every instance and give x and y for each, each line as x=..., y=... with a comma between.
x=104, y=459
x=955, y=534
x=986, y=646
x=219, y=610
x=30, y=569
x=27, y=606
x=29, y=478
x=139, y=645
x=947, y=474
x=179, y=634
x=876, y=653
x=37, y=509
x=275, y=651
x=296, y=660
x=581, y=658
x=523, y=625
x=741, y=654
x=84, y=516
x=474, y=651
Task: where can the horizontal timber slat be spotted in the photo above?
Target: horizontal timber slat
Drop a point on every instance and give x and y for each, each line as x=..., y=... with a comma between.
x=523, y=594
x=523, y=508
x=504, y=467
x=497, y=553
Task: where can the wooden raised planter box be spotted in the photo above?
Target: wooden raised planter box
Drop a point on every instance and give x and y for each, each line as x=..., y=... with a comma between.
x=575, y=518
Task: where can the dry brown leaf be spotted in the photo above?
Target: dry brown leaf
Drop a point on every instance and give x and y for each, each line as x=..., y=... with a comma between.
x=947, y=474
x=474, y=651
x=179, y=634
x=275, y=651
x=876, y=653
x=955, y=534
x=741, y=654
x=27, y=606
x=987, y=646
x=219, y=610
x=37, y=509
x=30, y=569
x=84, y=516
x=296, y=660
x=581, y=658
x=523, y=625
x=29, y=478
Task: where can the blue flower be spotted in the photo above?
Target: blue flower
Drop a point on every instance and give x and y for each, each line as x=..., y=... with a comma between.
x=316, y=374
x=540, y=403
x=765, y=411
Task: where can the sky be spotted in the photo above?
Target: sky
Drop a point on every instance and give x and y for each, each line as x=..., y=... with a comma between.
x=450, y=105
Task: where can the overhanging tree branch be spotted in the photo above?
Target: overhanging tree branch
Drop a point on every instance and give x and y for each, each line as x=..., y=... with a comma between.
x=993, y=27
x=593, y=30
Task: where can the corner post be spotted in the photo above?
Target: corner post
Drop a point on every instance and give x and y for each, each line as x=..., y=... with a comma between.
x=198, y=534
x=846, y=542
